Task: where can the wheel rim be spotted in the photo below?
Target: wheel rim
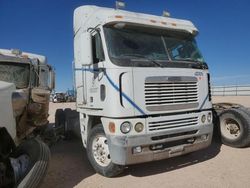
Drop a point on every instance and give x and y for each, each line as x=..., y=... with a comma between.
x=101, y=151
x=231, y=128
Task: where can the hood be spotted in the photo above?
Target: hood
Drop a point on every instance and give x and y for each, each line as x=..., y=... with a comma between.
x=7, y=119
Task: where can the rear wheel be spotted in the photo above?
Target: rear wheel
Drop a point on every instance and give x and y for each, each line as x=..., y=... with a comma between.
x=60, y=122
x=68, y=126
x=98, y=153
x=235, y=127
x=59, y=118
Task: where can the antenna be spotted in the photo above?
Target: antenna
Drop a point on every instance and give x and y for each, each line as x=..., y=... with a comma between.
x=165, y=13
x=120, y=5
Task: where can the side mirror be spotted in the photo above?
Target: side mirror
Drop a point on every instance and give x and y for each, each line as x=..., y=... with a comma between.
x=83, y=49
x=52, y=79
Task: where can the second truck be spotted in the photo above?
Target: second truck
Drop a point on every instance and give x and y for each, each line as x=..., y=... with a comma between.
x=26, y=81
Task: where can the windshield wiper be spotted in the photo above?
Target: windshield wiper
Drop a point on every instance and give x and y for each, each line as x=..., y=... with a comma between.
x=142, y=57
x=156, y=63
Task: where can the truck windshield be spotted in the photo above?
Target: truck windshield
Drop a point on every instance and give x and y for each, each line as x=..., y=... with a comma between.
x=17, y=73
x=130, y=45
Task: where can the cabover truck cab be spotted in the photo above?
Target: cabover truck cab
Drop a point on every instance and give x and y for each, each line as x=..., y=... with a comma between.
x=26, y=81
x=142, y=87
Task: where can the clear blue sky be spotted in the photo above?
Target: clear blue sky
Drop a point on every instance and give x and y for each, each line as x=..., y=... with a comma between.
x=46, y=27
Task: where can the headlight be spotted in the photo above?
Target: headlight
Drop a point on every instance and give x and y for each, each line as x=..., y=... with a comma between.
x=203, y=118
x=126, y=127
x=139, y=127
x=209, y=117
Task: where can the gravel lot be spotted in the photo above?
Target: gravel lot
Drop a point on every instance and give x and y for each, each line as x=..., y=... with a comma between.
x=216, y=166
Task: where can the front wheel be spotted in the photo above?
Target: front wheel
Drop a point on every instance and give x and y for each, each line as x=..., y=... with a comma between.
x=98, y=153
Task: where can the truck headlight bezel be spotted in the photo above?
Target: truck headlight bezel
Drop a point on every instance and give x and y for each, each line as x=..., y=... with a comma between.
x=203, y=118
x=139, y=127
x=126, y=127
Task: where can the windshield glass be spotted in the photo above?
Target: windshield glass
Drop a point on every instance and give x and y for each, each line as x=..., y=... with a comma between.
x=126, y=43
x=137, y=44
x=17, y=73
x=183, y=49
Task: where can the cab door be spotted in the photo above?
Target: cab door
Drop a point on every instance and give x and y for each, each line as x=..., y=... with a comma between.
x=83, y=60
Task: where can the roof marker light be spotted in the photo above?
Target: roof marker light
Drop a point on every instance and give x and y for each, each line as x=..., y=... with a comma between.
x=173, y=24
x=153, y=21
x=120, y=5
x=164, y=23
x=117, y=16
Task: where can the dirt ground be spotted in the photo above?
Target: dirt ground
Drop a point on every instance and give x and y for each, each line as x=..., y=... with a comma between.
x=216, y=166
x=244, y=100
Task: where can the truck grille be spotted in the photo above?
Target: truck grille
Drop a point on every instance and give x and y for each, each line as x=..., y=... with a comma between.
x=170, y=124
x=171, y=94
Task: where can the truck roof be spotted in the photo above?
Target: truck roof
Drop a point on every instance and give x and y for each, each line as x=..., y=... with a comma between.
x=90, y=16
x=9, y=55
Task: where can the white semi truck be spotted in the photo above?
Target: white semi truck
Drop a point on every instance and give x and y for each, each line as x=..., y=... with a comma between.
x=143, y=91
x=142, y=87
x=26, y=81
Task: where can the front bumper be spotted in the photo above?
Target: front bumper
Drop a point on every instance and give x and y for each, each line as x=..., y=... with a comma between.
x=160, y=144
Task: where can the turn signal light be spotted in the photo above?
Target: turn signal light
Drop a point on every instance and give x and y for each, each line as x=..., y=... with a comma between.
x=112, y=127
x=117, y=16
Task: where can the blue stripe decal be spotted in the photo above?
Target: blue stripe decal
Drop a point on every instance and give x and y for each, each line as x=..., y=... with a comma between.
x=125, y=96
x=90, y=70
x=116, y=88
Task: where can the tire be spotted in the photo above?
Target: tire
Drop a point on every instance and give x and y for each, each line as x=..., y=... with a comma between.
x=109, y=169
x=59, y=118
x=39, y=155
x=246, y=110
x=235, y=127
x=68, y=127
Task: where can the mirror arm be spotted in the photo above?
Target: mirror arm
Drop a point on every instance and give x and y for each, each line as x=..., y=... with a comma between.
x=92, y=29
x=85, y=65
